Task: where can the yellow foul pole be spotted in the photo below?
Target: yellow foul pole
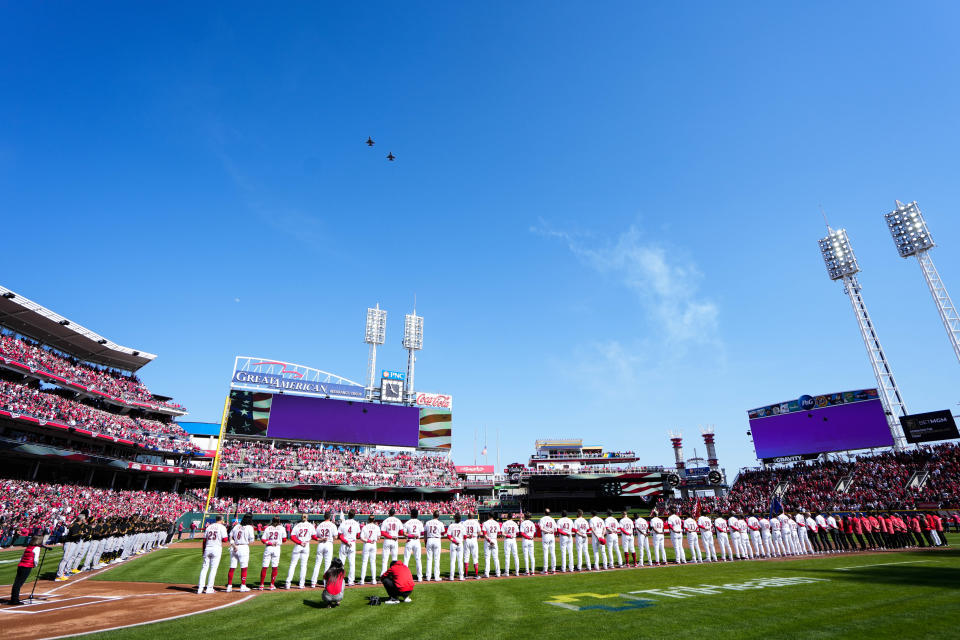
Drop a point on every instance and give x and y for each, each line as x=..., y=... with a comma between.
x=216, y=461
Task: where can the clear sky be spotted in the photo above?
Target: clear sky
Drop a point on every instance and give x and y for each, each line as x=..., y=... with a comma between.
x=608, y=214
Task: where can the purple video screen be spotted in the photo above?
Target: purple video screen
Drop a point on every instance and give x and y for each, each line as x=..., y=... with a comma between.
x=858, y=425
x=344, y=421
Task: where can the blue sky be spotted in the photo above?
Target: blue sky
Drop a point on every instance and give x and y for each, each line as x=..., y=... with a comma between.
x=608, y=216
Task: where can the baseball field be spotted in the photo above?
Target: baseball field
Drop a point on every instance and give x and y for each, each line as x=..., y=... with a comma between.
x=877, y=595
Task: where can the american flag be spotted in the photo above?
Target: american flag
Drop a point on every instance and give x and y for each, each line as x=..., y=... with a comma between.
x=642, y=487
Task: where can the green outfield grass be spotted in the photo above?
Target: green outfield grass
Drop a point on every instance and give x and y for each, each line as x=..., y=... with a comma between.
x=915, y=594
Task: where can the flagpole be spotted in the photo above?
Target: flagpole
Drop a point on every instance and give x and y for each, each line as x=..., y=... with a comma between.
x=474, y=446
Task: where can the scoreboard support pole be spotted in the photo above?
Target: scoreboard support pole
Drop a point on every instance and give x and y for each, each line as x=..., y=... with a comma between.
x=216, y=462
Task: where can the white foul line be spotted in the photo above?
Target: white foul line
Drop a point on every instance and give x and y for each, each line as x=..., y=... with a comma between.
x=140, y=624
x=879, y=564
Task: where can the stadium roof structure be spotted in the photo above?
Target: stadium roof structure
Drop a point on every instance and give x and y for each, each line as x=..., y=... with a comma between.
x=30, y=319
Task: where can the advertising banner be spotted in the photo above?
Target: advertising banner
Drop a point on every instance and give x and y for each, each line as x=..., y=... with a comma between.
x=475, y=470
x=273, y=382
x=435, y=400
x=929, y=427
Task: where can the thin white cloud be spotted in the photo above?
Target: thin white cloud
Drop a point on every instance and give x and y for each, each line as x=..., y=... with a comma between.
x=667, y=285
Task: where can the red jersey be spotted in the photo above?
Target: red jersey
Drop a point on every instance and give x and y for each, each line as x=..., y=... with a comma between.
x=335, y=585
x=401, y=576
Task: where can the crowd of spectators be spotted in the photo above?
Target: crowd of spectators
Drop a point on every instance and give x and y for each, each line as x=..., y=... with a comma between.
x=876, y=482
x=463, y=505
x=32, y=508
x=151, y=434
x=299, y=463
x=124, y=387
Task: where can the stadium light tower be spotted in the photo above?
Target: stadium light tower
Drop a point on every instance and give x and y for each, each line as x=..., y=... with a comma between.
x=412, y=342
x=842, y=265
x=375, y=334
x=910, y=234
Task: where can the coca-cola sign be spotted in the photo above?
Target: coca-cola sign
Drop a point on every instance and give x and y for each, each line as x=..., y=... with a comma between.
x=437, y=400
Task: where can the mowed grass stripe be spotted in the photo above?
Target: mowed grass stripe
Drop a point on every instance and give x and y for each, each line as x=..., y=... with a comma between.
x=916, y=600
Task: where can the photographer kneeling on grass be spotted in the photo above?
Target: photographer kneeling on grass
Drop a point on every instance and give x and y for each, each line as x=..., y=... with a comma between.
x=333, y=583
x=398, y=582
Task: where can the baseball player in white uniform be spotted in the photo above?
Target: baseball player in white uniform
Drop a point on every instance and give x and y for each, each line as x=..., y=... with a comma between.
x=390, y=529
x=491, y=549
x=802, y=534
x=767, y=537
x=734, y=524
x=626, y=538
x=599, y=540
x=723, y=537
x=213, y=538
x=745, y=546
x=455, y=536
x=794, y=529
x=612, y=526
x=412, y=531
x=301, y=534
x=675, y=525
x=693, y=539
x=756, y=540
x=706, y=535
x=434, y=533
x=548, y=527
x=347, y=534
x=272, y=537
x=659, y=548
x=510, y=530
x=241, y=537
x=528, y=530
x=565, y=531
x=776, y=537
x=581, y=529
x=471, y=531
x=642, y=527
x=369, y=534
x=326, y=533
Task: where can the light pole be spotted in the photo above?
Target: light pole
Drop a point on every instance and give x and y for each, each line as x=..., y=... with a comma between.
x=412, y=342
x=912, y=238
x=842, y=265
x=376, y=333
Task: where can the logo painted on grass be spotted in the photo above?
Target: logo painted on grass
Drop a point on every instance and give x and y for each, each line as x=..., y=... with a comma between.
x=714, y=589
x=599, y=602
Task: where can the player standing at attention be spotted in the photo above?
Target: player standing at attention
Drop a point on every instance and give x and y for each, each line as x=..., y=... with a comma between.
x=735, y=536
x=325, y=535
x=776, y=539
x=599, y=540
x=693, y=539
x=548, y=528
x=213, y=539
x=491, y=529
x=510, y=529
x=756, y=543
x=390, y=528
x=241, y=536
x=273, y=536
x=658, y=542
x=455, y=536
x=300, y=534
x=581, y=530
x=347, y=534
x=675, y=524
x=642, y=528
x=412, y=531
x=822, y=532
x=720, y=524
x=434, y=534
x=528, y=529
x=706, y=535
x=801, y=521
x=471, y=531
x=369, y=534
x=612, y=526
x=626, y=538
x=565, y=531
x=766, y=536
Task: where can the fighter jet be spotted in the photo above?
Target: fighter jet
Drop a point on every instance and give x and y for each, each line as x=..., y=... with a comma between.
x=370, y=141
x=391, y=157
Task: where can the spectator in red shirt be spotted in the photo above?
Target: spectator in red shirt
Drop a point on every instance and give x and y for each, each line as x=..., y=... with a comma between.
x=333, y=584
x=398, y=582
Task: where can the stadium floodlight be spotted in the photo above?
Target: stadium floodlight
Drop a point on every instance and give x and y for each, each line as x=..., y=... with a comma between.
x=375, y=334
x=412, y=342
x=912, y=238
x=842, y=265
